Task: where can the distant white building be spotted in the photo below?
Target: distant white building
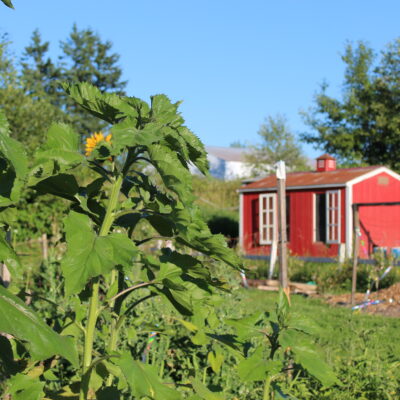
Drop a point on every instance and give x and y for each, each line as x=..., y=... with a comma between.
x=227, y=163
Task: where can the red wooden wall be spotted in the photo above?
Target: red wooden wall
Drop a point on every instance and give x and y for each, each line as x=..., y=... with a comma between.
x=380, y=225
x=301, y=222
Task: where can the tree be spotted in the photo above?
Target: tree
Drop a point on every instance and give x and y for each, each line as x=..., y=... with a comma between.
x=29, y=115
x=40, y=76
x=278, y=143
x=86, y=58
x=363, y=127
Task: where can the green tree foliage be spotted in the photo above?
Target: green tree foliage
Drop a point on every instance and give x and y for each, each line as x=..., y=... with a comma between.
x=40, y=76
x=30, y=92
x=278, y=143
x=86, y=58
x=29, y=112
x=364, y=125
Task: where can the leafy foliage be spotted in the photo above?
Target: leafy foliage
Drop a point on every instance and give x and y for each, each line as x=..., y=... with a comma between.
x=24, y=324
x=139, y=177
x=278, y=143
x=363, y=126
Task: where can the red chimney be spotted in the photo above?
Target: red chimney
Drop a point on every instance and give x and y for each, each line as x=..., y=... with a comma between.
x=326, y=163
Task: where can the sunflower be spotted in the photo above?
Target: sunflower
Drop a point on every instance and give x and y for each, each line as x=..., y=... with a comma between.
x=94, y=140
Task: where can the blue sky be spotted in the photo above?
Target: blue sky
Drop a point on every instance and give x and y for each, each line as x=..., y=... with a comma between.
x=232, y=62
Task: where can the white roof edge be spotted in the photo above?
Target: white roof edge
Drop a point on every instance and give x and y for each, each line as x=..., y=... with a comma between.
x=272, y=189
x=372, y=173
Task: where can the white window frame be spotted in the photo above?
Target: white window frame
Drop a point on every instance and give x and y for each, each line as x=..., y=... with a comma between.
x=314, y=220
x=262, y=211
x=329, y=223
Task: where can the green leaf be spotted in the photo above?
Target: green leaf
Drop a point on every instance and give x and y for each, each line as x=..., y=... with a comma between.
x=9, y=257
x=303, y=324
x=313, y=363
x=188, y=325
x=126, y=134
x=257, y=368
x=13, y=165
x=215, y=359
x=108, y=393
x=60, y=152
x=204, y=393
x=144, y=381
x=89, y=255
x=23, y=387
x=8, y=3
x=283, y=307
x=62, y=185
x=246, y=327
x=162, y=110
x=107, y=106
x=230, y=341
x=20, y=321
x=175, y=175
x=196, y=150
x=9, y=365
x=200, y=338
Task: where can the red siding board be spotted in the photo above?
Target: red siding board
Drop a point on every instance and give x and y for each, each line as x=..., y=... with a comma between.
x=301, y=225
x=380, y=225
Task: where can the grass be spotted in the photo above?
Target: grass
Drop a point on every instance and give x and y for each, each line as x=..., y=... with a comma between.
x=363, y=349
x=330, y=277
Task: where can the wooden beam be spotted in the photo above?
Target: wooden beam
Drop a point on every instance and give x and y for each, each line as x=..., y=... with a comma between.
x=356, y=247
x=281, y=181
x=383, y=203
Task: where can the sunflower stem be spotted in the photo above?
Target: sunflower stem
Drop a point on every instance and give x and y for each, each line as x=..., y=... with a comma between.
x=94, y=299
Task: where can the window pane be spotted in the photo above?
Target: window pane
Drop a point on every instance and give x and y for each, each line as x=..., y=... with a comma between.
x=271, y=218
x=320, y=217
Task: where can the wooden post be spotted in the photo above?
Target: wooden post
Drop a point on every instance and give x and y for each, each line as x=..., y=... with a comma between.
x=45, y=247
x=281, y=183
x=4, y=272
x=356, y=249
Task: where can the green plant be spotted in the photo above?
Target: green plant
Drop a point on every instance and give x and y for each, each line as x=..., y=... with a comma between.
x=107, y=273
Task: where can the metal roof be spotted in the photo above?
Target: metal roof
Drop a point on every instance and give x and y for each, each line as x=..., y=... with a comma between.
x=303, y=180
x=228, y=153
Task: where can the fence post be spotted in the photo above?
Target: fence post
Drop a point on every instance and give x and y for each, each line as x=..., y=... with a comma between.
x=45, y=247
x=356, y=235
x=281, y=183
x=4, y=272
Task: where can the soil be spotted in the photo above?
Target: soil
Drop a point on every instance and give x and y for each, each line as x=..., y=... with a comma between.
x=390, y=298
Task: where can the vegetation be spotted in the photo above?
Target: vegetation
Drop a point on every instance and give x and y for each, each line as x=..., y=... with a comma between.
x=363, y=126
x=108, y=273
x=30, y=91
x=330, y=277
x=138, y=299
x=278, y=143
x=218, y=202
x=361, y=347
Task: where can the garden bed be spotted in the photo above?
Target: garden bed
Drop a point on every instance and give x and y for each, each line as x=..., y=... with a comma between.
x=389, y=301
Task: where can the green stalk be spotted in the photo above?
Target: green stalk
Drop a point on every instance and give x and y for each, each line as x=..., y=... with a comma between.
x=94, y=300
x=266, y=388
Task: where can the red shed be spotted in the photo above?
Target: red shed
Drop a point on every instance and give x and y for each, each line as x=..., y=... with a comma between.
x=319, y=211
